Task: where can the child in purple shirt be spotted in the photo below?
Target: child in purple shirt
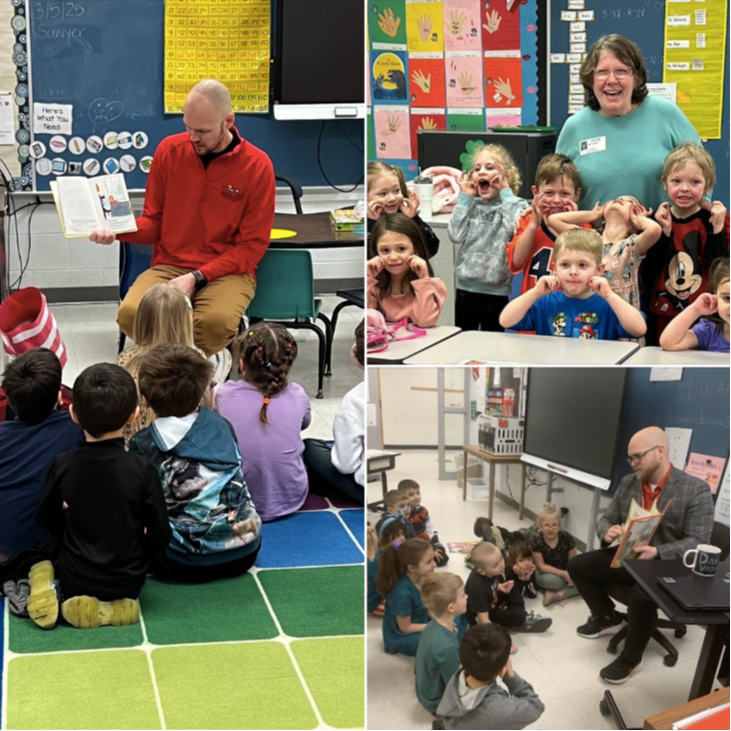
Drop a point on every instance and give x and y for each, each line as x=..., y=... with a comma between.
x=711, y=332
x=268, y=415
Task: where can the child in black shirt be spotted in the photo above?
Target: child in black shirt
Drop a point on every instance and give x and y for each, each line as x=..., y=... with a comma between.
x=105, y=509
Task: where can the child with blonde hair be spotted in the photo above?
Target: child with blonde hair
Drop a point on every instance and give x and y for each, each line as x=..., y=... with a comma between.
x=695, y=233
x=437, y=658
x=491, y=598
x=164, y=315
x=483, y=222
x=401, y=572
x=267, y=414
x=387, y=193
x=552, y=549
x=401, y=283
x=711, y=332
x=627, y=234
x=577, y=301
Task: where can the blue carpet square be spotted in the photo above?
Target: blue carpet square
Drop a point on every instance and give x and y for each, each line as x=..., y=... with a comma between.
x=355, y=520
x=307, y=539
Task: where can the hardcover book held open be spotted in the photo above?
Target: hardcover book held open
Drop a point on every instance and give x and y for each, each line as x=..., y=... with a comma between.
x=86, y=204
x=639, y=528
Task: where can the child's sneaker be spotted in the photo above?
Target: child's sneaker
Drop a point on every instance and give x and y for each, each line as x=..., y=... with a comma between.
x=43, y=599
x=534, y=623
x=87, y=612
x=380, y=610
x=599, y=626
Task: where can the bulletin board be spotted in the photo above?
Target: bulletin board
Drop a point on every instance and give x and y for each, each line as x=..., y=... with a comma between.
x=460, y=65
x=645, y=22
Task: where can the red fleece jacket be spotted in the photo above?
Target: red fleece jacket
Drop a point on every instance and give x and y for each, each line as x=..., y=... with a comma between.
x=216, y=219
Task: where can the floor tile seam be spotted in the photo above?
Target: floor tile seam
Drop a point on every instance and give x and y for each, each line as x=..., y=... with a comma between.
x=316, y=566
x=5, y=664
x=150, y=647
x=350, y=533
x=148, y=656
x=305, y=687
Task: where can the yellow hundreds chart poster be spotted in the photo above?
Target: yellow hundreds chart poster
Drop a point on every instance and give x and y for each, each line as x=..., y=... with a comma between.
x=226, y=40
x=695, y=39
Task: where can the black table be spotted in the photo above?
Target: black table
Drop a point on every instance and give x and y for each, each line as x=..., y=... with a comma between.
x=314, y=231
x=646, y=574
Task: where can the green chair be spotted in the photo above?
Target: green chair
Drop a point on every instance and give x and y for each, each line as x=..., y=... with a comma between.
x=285, y=293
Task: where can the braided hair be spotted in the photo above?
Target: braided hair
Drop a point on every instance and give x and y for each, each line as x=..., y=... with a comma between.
x=268, y=351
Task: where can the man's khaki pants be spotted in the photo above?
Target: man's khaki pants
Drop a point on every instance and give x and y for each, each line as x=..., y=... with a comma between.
x=217, y=308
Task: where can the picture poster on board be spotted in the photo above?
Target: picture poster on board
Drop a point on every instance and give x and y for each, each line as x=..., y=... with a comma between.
x=462, y=65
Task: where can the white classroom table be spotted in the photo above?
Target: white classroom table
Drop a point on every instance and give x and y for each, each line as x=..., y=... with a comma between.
x=399, y=350
x=652, y=356
x=492, y=347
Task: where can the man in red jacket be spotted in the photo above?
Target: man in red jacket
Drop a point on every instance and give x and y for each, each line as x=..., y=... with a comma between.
x=209, y=209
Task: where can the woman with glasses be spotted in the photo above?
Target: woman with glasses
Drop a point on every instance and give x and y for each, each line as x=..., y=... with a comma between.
x=687, y=508
x=620, y=139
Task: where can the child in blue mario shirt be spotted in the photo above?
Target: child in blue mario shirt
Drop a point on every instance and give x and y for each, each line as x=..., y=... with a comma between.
x=577, y=302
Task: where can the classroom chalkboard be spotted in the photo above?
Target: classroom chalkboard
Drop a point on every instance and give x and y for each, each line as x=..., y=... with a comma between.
x=699, y=401
x=642, y=21
x=105, y=58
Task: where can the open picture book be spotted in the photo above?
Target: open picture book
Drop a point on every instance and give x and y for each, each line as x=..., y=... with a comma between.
x=86, y=204
x=639, y=528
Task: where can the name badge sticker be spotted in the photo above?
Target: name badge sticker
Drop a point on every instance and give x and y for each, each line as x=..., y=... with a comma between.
x=592, y=145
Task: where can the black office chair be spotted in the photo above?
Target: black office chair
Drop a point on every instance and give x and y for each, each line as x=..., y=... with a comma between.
x=620, y=593
x=294, y=187
x=352, y=298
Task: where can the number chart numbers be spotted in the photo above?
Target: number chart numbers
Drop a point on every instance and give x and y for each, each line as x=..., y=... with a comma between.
x=223, y=39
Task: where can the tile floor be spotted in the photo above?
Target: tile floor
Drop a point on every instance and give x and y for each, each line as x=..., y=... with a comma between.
x=90, y=334
x=561, y=666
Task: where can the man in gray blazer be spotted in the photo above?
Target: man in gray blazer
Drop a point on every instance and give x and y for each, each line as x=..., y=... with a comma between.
x=687, y=522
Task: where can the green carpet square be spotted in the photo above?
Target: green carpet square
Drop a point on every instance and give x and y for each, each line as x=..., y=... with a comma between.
x=88, y=690
x=317, y=602
x=250, y=685
x=26, y=636
x=334, y=672
x=226, y=610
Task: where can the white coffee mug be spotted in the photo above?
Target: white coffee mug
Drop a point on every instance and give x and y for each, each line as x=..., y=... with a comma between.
x=705, y=559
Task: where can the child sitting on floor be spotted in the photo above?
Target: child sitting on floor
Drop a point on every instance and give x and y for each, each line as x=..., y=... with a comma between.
x=493, y=599
x=420, y=520
x=552, y=550
x=585, y=307
x=104, y=507
x=268, y=414
x=402, y=569
x=339, y=471
x=522, y=570
x=216, y=530
x=28, y=445
x=396, y=509
x=437, y=658
x=474, y=700
x=390, y=533
x=165, y=315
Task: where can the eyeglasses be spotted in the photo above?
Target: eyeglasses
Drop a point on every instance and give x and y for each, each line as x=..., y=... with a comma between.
x=633, y=458
x=619, y=74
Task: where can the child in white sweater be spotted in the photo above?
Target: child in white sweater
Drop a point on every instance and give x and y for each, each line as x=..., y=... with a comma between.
x=340, y=471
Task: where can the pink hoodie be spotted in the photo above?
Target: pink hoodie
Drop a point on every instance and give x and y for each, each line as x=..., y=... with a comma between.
x=422, y=306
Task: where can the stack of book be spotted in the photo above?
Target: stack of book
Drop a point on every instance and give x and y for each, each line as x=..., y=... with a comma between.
x=346, y=220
